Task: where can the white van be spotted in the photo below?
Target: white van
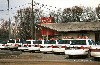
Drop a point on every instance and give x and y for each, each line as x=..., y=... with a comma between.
x=3, y=45
x=79, y=47
x=25, y=44
x=47, y=45
x=13, y=43
x=61, y=45
x=95, y=51
x=35, y=45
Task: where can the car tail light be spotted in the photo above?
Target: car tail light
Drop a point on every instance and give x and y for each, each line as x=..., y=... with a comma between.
x=85, y=47
x=95, y=50
x=3, y=45
x=16, y=44
x=55, y=47
x=39, y=45
x=63, y=46
x=7, y=45
x=82, y=47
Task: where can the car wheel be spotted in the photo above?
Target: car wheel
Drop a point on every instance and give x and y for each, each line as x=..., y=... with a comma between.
x=56, y=53
x=88, y=55
x=45, y=52
x=70, y=56
x=96, y=58
x=32, y=51
x=22, y=50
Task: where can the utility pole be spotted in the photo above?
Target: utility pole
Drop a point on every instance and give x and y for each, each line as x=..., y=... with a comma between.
x=32, y=21
x=9, y=18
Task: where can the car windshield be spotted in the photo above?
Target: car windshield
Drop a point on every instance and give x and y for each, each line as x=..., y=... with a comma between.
x=91, y=42
x=78, y=42
x=4, y=42
x=11, y=41
x=49, y=42
x=38, y=42
x=98, y=43
x=28, y=42
x=17, y=41
x=63, y=41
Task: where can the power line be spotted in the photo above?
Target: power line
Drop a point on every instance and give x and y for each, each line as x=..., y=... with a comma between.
x=37, y=5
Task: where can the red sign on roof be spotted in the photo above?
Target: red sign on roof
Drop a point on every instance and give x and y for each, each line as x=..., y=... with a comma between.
x=47, y=20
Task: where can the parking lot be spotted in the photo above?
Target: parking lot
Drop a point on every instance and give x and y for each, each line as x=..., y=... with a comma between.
x=38, y=58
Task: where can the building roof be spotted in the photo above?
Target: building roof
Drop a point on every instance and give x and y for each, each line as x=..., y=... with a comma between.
x=73, y=26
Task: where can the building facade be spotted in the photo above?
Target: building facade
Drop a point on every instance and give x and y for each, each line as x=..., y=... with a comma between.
x=74, y=30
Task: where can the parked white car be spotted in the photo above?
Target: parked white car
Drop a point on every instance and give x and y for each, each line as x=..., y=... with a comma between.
x=3, y=46
x=95, y=51
x=47, y=46
x=24, y=46
x=79, y=47
x=61, y=45
x=35, y=45
x=13, y=43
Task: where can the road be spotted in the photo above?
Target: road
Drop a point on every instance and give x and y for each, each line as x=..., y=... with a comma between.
x=37, y=58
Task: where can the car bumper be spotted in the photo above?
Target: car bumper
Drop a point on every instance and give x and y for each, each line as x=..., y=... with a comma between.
x=3, y=47
x=23, y=48
x=34, y=48
x=58, y=50
x=12, y=47
x=76, y=52
x=46, y=49
x=95, y=54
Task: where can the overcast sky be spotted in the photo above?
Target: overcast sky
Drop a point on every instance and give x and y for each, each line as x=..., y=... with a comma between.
x=70, y=3
x=17, y=4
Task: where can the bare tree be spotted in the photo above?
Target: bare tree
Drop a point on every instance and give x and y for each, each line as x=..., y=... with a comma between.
x=4, y=27
x=88, y=15
x=80, y=14
x=24, y=17
x=76, y=13
x=57, y=15
x=98, y=12
x=67, y=15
